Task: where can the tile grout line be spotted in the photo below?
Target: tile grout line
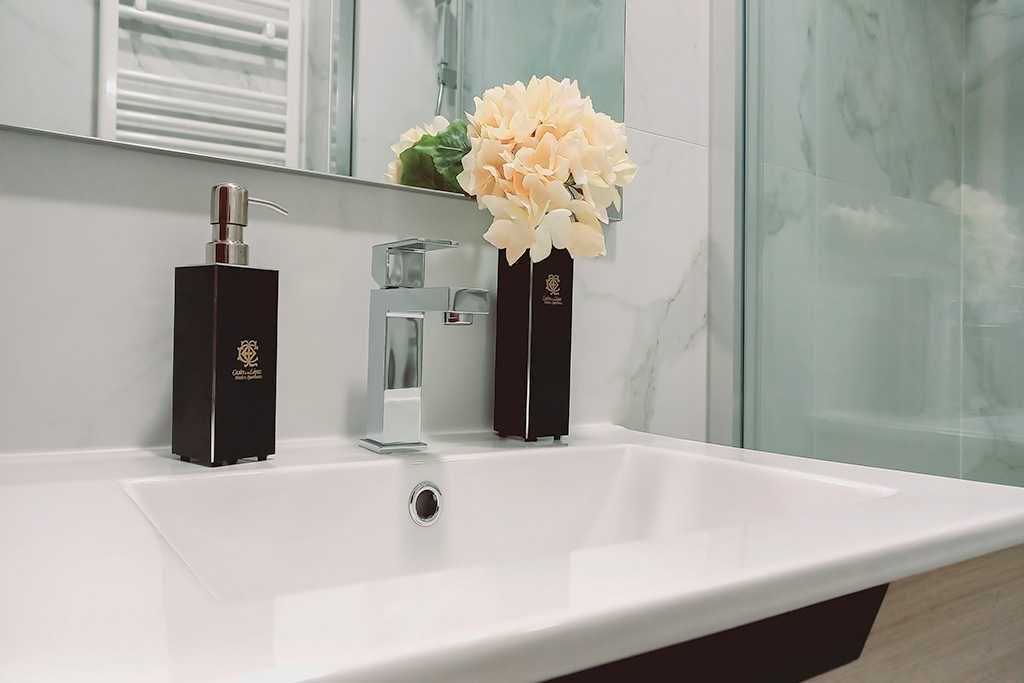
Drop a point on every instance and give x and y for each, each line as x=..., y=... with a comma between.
x=667, y=137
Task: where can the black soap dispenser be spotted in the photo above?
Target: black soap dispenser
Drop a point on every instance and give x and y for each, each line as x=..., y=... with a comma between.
x=224, y=390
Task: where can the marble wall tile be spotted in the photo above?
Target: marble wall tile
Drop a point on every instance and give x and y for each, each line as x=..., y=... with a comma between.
x=640, y=315
x=667, y=67
x=889, y=94
x=640, y=325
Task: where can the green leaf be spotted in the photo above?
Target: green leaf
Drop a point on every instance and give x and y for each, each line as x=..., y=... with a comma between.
x=435, y=161
x=418, y=170
x=452, y=145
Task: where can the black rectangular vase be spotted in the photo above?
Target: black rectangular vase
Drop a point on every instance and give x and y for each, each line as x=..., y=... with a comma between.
x=533, y=346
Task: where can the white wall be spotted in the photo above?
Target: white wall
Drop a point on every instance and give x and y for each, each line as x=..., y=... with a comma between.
x=92, y=233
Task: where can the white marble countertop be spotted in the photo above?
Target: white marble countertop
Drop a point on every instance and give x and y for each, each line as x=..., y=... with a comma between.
x=90, y=590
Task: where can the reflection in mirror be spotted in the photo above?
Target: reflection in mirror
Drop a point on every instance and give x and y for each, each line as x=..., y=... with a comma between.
x=321, y=85
x=255, y=80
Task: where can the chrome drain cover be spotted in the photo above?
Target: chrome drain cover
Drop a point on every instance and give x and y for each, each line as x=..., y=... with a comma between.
x=425, y=503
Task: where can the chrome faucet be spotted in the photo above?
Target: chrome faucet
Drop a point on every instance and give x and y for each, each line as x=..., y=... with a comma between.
x=397, y=309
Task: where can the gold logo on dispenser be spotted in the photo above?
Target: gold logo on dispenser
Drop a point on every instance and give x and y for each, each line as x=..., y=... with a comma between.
x=248, y=353
x=553, y=290
x=248, y=356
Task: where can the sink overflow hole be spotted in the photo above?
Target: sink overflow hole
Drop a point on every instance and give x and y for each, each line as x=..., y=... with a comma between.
x=425, y=503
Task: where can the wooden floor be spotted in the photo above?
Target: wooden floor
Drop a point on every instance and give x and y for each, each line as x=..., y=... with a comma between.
x=960, y=624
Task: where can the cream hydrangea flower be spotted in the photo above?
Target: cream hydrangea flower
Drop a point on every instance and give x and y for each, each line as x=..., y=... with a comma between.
x=410, y=138
x=547, y=167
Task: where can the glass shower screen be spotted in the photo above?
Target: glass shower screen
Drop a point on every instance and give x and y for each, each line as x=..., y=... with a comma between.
x=884, y=307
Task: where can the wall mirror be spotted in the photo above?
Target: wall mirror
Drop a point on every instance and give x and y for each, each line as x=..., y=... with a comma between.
x=317, y=85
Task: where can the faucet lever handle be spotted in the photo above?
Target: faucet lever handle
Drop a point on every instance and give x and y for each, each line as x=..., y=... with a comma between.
x=403, y=263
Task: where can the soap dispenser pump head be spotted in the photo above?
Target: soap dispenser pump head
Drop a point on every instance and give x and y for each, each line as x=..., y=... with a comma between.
x=229, y=214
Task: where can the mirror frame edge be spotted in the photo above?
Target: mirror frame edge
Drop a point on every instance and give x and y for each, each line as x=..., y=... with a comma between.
x=164, y=151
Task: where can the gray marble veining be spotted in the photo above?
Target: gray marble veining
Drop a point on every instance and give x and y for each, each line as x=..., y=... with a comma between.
x=640, y=314
x=789, y=54
x=666, y=331
x=889, y=93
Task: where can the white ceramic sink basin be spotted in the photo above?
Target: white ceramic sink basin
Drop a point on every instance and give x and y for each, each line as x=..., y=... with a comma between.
x=249, y=535
x=546, y=559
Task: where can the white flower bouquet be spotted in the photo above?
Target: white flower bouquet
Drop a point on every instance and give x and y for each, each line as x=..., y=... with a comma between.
x=537, y=156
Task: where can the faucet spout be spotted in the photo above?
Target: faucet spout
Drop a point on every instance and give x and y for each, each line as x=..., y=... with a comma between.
x=466, y=304
x=469, y=300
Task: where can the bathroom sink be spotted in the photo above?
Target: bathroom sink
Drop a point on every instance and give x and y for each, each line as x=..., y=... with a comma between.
x=544, y=559
x=271, y=532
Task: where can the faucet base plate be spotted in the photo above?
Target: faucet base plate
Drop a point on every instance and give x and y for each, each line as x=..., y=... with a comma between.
x=396, y=447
